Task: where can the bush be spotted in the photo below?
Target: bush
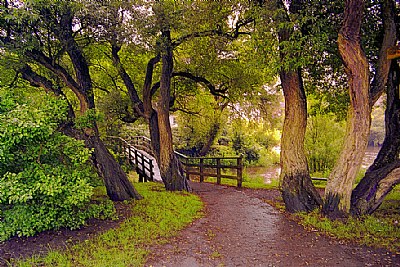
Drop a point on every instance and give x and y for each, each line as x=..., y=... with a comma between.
x=45, y=178
x=323, y=142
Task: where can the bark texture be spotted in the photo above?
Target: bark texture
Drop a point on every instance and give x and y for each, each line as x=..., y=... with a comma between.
x=384, y=173
x=170, y=167
x=341, y=179
x=118, y=186
x=298, y=192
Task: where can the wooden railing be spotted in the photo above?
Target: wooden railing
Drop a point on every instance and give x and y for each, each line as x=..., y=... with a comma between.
x=212, y=167
x=142, y=163
x=142, y=143
x=200, y=166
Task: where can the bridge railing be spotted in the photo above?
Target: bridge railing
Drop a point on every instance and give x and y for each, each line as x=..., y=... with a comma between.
x=144, y=165
x=213, y=167
x=219, y=167
x=142, y=143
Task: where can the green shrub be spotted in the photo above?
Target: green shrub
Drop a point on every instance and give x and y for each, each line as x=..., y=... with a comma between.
x=45, y=178
x=323, y=142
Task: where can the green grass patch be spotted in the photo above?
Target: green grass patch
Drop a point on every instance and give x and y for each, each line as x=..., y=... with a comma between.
x=154, y=219
x=381, y=229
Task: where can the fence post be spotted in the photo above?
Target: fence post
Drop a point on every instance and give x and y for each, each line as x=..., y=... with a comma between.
x=136, y=158
x=201, y=170
x=151, y=166
x=127, y=149
x=187, y=169
x=218, y=171
x=240, y=171
x=143, y=167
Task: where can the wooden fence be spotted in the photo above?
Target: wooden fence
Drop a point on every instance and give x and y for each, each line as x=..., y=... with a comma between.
x=142, y=143
x=212, y=167
x=142, y=163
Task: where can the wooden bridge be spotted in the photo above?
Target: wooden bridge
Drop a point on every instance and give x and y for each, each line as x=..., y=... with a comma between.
x=138, y=153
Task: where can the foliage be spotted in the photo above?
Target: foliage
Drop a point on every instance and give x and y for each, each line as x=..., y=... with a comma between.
x=152, y=220
x=87, y=120
x=378, y=230
x=45, y=178
x=323, y=142
x=194, y=127
x=254, y=141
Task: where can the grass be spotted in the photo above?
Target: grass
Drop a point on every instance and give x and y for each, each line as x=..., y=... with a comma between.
x=154, y=219
x=381, y=229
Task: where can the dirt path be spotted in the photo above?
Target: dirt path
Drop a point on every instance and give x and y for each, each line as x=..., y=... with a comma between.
x=240, y=229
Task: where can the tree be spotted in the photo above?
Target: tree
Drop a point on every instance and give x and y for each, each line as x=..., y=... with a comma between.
x=384, y=173
x=324, y=137
x=362, y=97
x=298, y=192
x=168, y=31
x=54, y=25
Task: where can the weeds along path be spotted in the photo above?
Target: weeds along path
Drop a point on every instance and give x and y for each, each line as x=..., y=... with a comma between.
x=239, y=229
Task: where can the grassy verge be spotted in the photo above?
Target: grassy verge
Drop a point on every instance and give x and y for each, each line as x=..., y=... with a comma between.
x=381, y=229
x=155, y=218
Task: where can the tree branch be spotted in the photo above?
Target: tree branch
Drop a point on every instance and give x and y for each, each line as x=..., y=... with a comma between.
x=149, y=91
x=234, y=34
x=130, y=86
x=389, y=39
x=214, y=91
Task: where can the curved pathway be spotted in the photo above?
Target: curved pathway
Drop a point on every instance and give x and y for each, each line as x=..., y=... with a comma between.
x=239, y=229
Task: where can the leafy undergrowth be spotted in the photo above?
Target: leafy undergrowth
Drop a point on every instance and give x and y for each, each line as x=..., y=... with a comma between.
x=381, y=229
x=158, y=216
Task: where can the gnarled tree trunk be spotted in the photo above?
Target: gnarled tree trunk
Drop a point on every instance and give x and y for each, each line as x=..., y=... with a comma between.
x=170, y=167
x=384, y=173
x=298, y=192
x=341, y=179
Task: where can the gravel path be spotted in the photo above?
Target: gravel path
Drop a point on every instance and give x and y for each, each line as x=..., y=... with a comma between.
x=240, y=229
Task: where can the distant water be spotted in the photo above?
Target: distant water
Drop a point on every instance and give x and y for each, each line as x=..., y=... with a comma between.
x=369, y=156
x=273, y=172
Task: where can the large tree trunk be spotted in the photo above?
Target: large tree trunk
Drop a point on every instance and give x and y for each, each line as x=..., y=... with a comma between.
x=298, y=191
x=341, y=180
x=299, y=194
x=170, y=167
x=118, y=186
x=384, y=173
